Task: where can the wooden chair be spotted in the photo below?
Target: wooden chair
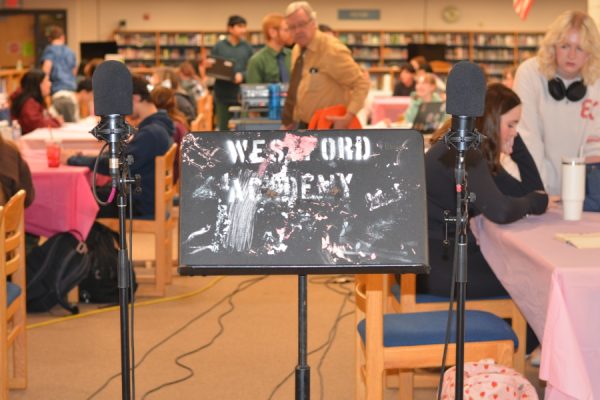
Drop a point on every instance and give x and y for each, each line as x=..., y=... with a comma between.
x=153, y=281
x=204, y=119
x=403, y=298
x=440, y=67
x=408, y=341
x=13, y=338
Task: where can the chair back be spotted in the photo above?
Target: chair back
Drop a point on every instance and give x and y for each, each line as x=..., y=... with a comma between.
x=204, y=118
x=164, y=180
x=12, y=295
x=14, y=233
x=440, y=67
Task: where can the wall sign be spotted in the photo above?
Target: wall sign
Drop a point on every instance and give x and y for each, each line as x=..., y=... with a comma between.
x=359, y=14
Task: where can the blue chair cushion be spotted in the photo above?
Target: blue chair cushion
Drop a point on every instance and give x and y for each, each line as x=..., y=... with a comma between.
x=415, y=329
x=433, y=298
x=12, y=292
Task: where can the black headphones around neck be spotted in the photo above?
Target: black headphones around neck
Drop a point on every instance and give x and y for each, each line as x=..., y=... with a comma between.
x=575, y=92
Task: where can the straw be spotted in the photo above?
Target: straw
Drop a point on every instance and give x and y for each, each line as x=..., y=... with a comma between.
x=50, y=131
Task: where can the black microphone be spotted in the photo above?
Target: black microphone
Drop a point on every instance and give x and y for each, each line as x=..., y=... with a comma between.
x=113, y=100
x=465, y=98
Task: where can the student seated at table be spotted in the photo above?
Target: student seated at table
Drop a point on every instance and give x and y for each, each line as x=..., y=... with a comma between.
x=425, y=92
x=168, y=77
x=164, y=99
x=190, y=82
x=152, y=139
x=14, y=176
x=500, y=197
x=407, y=82
x=28, y=105
x=85, y=98
x=14, y=173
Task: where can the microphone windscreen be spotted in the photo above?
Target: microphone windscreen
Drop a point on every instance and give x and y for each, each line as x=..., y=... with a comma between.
x=465, y=90
x=113, y=89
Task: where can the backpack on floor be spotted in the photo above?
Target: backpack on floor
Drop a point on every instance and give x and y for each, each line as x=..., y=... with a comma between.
x=64, y=262
x=53, y=269
x=100, y=285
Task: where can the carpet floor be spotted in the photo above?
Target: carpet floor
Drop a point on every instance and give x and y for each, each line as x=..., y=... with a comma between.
x=211, y=338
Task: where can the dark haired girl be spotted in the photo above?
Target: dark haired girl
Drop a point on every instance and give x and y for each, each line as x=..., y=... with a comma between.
x=28, y=105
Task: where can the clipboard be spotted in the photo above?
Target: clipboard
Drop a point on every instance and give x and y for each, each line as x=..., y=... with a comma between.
x=222, y=68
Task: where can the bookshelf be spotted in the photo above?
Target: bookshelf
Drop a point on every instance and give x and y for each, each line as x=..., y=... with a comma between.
x=381, y=52
x=152, y=48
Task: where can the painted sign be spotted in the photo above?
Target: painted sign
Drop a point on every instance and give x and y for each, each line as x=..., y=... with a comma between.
x=287, y=200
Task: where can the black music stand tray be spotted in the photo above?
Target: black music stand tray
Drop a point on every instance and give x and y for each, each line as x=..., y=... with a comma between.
x=303, y=202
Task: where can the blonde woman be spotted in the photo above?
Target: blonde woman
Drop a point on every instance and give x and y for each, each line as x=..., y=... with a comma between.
x=560, y=92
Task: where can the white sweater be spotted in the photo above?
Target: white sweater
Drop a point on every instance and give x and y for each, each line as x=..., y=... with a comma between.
x=552, y=129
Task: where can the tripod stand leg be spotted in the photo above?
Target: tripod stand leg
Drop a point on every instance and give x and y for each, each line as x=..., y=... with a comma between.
x=123, y=284
x=460, y=338
x=302, y=369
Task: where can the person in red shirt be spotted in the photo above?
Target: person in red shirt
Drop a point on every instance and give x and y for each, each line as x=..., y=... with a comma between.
x=28, y=105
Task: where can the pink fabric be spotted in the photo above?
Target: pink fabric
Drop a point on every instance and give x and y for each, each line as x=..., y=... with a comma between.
x=64, y=201
x=388, y=107
x=486, y=380
x=557, y=287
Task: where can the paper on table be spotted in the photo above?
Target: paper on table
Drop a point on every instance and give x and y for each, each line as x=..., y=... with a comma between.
x=581, y=240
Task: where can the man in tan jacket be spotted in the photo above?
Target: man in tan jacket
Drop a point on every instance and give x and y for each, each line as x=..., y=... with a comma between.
x=324, y=74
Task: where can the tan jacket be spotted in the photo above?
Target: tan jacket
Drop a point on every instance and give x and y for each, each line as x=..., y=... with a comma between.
x=330, y=77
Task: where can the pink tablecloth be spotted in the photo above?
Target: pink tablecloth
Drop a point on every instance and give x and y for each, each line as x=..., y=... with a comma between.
x=557, y=287
x=64, y=201
x=388, y=107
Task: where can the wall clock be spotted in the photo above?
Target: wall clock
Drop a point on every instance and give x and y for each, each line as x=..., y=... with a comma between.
x=450, y=14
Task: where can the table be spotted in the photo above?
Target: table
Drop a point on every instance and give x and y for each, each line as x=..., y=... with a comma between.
x=557, y=287
x=64, y=201
x=388, y=107
x=74, y=136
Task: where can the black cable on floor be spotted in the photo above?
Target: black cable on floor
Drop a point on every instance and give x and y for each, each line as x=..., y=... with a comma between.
x=330, y=339
x=280, y=384
x=241, y=287
x=327, y=281
x=166, y=339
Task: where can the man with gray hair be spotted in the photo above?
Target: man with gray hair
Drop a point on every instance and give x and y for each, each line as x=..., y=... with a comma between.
x=324, y=73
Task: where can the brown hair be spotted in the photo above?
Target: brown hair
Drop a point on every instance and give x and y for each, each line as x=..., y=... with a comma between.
x=498, y=101
x=91, y=65
x=167, y=73
x=164, y=99
x=187, y=70
x=54, y=32
x=271, y=21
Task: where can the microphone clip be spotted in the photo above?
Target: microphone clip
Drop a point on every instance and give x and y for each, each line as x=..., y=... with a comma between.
x=462, y=134
x=113, y=129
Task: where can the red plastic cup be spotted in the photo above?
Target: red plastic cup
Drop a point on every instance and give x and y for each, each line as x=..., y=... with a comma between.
x=53, y=154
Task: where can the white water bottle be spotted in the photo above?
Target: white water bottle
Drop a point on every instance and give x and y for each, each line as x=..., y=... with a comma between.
x=16, y=130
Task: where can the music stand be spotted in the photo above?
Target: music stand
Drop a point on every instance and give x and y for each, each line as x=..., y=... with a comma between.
x=303, y=202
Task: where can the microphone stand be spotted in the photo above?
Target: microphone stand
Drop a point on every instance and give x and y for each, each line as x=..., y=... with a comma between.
x=462, y=136
x=302, y=369
x=114, y=130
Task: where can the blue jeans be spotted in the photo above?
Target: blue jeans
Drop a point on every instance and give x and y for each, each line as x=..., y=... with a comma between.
x=592, y=187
